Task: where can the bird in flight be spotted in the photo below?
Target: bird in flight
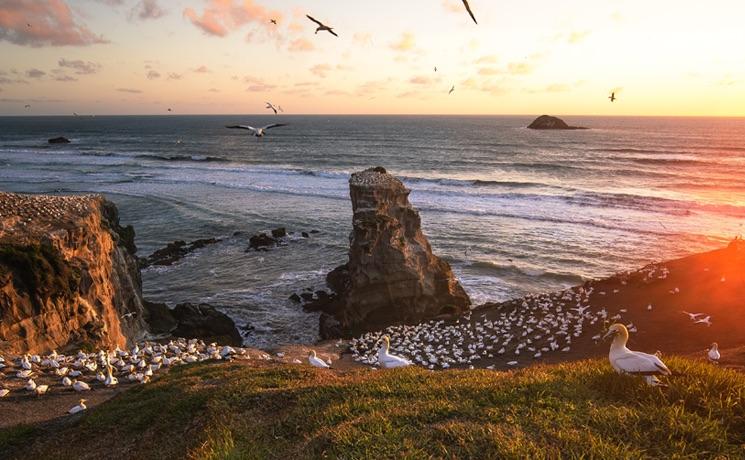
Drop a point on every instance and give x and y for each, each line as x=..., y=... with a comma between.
x=170, y=110
x=451, y=90
x=258, y=132
x=435, y=68
x=269, y=105
x=273, y=21
x=612, y=96
x=321, y=26
x=468, y=8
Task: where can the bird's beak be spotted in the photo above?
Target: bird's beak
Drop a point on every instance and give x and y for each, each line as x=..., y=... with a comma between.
x=610, y=333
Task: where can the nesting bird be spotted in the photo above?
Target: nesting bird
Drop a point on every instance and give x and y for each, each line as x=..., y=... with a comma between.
x=315, y=361
x=625, y=361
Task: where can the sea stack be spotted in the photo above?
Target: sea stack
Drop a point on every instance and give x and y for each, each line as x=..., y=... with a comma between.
x=391, y=277
x=68, y=274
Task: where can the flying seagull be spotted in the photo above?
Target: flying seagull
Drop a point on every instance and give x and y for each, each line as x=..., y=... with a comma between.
x=258, y=132
x=451, y=90
x=273, y=21
x=435, y=68
x=170, y=110
x=612, y=96
x=468, y=8
x=269, y=105
x=321, y=26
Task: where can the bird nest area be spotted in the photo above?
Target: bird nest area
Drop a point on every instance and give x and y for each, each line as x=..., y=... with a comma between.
x=22, y=216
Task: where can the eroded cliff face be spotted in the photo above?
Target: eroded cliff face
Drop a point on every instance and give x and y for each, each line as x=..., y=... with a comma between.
x=392, y=276
x=68, y=274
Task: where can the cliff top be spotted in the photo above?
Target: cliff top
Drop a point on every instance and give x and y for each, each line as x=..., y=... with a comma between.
x=376, y=177
x=25, y=217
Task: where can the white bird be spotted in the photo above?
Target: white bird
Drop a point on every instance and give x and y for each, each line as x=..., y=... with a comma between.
x=705, y=320
x=269, y=105
x=713, y=353
x=693, y=316
x=66, y=382
x=41, y=389
x=257, y=132
x=387, y=360
x=316, y=361
x=77, y=385
x=30, y=385
x=625, y=361
x=79, y=408
x=321, y=26
x=4, y=392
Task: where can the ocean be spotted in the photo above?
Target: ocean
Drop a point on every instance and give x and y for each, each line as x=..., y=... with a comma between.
x=513, y=210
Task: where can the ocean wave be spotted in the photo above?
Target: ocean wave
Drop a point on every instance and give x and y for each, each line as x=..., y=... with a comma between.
x=207, y=158
x=534, y=272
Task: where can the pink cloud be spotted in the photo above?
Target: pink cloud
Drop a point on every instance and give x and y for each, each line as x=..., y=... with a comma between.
x=301, y=44
x=43, y=23
x=320, y=70
x=221, y=17
x=147, y=9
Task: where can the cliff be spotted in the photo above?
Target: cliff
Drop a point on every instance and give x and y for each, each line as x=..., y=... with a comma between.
x=392, y=276
x=68, y=274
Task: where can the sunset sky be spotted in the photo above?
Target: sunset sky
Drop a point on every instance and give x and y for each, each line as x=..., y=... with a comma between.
x=662, y=57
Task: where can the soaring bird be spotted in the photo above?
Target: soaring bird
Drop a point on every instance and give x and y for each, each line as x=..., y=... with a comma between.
x=273, y=21
x=612, y=96
x=625, y=361
x=387, y=360
x=451, y=90
x=321, y=26
x=315, y=361
x=258, y=132
x=435, y=68
x=713, y=353
x=269, y=105
x=468, y=8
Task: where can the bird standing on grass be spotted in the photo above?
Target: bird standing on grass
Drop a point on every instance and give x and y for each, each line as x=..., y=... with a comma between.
x=713, y=353
x=387, y=360
x=625, y=361
x=315, y=361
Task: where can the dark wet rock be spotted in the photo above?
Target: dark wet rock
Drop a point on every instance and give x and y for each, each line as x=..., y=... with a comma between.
x=174, y=252
x=304, y=234
x=314, y=231
x=549, y=122
x=280, y=232
x=307, y=296
x=295, y=298
x=322, y=301
x=205, y=322
x=329, y=326
x=59, y=140
x=261, y=241
x=159, y=318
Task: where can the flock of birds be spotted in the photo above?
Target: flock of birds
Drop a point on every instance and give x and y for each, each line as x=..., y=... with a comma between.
x=83, y=372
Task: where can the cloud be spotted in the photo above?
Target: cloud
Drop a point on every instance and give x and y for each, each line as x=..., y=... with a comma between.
x=301, y=45
x=405, y=43
x=488, y=59
x=65, y=78
x=147, y=9
x=35, y=73
x=213, y=90
x=174, y=76
x=221, y=17
x=320, y=70
x=257, y=85
x=152, y=75
x=129, y=90
x=362, y=38
x=422, y=80
x=9, y=81
x=452, y=6
x=488, y=71
x=519, y=68
x=43, y=23
x=372, y=87
x=80, y=67
x=577, y=36
x=202, y=69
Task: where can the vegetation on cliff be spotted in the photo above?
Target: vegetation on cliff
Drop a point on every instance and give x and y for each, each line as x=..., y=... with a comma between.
x=573, y=410
x=39, y=271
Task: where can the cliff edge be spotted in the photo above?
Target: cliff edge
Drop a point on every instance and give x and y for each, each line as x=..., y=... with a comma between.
x=392, y=275
x=68, y=274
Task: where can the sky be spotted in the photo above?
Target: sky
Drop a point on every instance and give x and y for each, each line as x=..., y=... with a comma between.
x=661, y=57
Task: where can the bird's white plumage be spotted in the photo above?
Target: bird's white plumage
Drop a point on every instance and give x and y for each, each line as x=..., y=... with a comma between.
x=316, y=361
x=389, y=361
x=626, y=361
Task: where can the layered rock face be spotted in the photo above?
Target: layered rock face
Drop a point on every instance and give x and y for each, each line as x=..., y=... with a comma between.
x=392, y=276
x=68, y=274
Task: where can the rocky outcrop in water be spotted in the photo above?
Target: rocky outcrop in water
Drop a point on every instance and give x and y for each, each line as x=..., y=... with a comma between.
x=59, y=140
x=549, y=122
x=173, y=252
x=68, y=274
x=391, y=276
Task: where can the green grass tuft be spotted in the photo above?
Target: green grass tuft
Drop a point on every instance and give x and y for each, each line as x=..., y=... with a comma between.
x=574, y=410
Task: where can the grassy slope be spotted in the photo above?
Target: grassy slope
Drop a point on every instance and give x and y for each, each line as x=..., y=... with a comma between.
x=291, y=412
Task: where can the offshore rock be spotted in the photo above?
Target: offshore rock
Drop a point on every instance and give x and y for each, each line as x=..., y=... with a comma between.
x=392, y=276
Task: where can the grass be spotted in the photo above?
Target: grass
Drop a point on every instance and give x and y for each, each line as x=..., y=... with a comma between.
x=40, y=271
x=574, y=410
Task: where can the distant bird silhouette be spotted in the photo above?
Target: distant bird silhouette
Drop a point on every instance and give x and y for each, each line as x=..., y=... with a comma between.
x=28, y=25
x=435, y=68
x=451, y=90
x=612, y=96
x=321, y=26
x=257, y=132
x=273, y=21
x=468, y=8
x=170, y=110
x=269, y=105
x=27, y=106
